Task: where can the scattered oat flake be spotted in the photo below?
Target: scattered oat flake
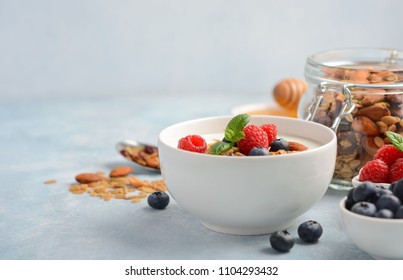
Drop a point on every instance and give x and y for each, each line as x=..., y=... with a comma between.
x=147, y=189
x=48, y=182
x=142, y=195
x=131, y=196
x=129, y=188
x=158, y=185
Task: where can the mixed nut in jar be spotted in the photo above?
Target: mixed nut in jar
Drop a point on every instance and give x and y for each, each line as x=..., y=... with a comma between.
x=359, y=94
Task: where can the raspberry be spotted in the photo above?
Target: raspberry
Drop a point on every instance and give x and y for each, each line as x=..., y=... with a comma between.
x=271, y=130
x=389, y=154
x=375, y=171
x=254, y=137
x=193, y=143
x=396, y=171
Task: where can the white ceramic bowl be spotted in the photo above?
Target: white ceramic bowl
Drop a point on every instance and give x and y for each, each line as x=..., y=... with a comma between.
x=248, y=195
x=380, y=238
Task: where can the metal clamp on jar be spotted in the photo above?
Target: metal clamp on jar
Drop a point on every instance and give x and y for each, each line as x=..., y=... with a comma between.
x=359, y=94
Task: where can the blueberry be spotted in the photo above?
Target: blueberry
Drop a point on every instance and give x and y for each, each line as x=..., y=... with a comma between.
x=282, y=241
x=388, y=201
x=350, y=200
x=392, y=186
x=399, y=213
x=364, y=208
x=365, y=191
x=310, y=231
x=158, y=200
x=384, y=213
x=279, y=144
x=259, y=151
x=397, y=189
x=380, y=191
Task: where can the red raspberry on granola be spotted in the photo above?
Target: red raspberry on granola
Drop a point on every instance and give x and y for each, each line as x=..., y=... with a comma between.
x=254, y=137
x=271, y=130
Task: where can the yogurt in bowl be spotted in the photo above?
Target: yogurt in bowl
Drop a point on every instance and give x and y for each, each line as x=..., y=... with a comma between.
x=248, y=195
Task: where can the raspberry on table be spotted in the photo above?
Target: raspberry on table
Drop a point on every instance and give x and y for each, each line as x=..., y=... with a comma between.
x=375, y=171
x=193, y=143
x=254, y=137
x=396, y=171
x=389, y=154
x=271, y=130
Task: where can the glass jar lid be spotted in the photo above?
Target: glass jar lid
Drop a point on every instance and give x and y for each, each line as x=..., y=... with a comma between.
x=370, y=67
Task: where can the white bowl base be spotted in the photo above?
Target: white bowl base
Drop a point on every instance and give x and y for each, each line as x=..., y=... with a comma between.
x=247, y=231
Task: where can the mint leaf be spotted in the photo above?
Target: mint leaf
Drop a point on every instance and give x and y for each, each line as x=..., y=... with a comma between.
x=233, y=131
x=234, y=136
x=395, y=139
x=220, y=147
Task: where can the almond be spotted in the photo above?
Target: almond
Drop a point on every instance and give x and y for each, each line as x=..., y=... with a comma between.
x=375, y=113
x=121, y=171
x=295, y=146
x=372, y=98
x=369, y=145
x=365, y=125
x=357, y=75
x=86, y=178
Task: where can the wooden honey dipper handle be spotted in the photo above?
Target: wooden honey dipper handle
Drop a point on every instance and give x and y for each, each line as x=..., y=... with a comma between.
x=288, y=93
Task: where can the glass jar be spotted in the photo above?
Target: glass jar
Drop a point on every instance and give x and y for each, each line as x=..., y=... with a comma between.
x=359, y=94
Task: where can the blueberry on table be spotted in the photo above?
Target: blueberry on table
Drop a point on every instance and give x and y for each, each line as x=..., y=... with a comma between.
x=310, y=231
x=364, y=208
x=279, y=144
x=158, y=200
x=259, y=151
x=282, y=241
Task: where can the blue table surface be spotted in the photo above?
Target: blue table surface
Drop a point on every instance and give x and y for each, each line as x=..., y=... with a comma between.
x=57, y=138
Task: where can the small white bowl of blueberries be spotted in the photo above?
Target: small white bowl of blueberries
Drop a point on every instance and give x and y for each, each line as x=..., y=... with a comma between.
x=372, y=216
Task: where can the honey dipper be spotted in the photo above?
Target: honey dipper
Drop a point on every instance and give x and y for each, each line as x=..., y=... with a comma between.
x=288, y=92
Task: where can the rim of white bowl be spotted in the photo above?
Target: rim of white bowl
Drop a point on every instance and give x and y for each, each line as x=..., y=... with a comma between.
x=342, y=208
x=333, y=140
x=355, y=181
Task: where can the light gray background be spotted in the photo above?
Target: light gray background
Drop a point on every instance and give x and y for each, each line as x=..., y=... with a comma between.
x=89, y=47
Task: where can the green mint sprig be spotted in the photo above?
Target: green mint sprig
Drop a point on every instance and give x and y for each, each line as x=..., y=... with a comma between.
x=395, y=139
x=233, y=133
